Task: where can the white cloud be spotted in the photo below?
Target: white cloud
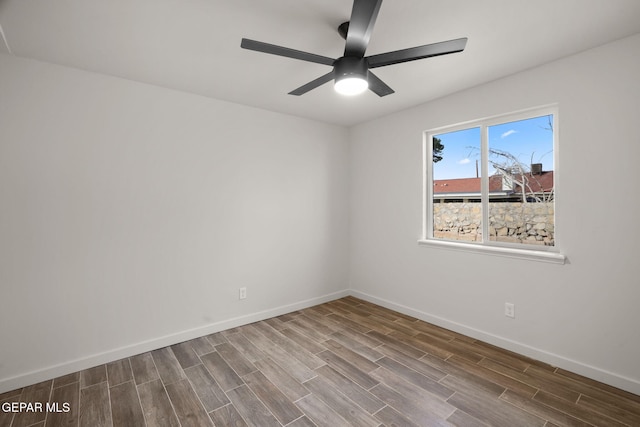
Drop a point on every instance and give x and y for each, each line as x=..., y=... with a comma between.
x=507, y=133
x=464, y=161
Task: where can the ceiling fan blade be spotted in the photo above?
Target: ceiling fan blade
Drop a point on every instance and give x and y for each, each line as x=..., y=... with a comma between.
x=363, y=18
x=285, y=51
x=377, y=86
x=420, y=52
x=312, y=84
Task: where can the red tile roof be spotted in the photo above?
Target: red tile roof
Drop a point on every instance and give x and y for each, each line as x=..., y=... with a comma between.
x=538, y=183
x=459, y=185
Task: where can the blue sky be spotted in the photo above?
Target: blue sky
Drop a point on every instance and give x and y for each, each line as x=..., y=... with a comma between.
x=523, y=139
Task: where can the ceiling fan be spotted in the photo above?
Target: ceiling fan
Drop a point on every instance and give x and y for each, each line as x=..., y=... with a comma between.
x=351, y=72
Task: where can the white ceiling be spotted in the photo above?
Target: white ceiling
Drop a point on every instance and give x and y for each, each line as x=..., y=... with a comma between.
x=194, y=45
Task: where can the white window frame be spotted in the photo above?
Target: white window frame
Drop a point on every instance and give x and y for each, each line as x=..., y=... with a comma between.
x=521, y=251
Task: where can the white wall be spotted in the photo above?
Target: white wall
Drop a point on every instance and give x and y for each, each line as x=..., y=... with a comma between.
x=584, y=315
x=130, y=215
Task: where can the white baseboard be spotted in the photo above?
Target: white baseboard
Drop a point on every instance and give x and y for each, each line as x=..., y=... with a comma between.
x=610, y=378
x=55, y=371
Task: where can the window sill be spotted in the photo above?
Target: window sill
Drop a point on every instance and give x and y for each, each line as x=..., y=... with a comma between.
x=531, y=255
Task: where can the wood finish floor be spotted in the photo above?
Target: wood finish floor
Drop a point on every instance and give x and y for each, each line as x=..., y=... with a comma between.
x=346, y=362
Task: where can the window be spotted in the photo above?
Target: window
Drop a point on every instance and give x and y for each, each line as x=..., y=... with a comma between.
x=490, y=185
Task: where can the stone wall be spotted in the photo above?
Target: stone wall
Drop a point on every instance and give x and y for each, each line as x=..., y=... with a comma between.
x=512, y=222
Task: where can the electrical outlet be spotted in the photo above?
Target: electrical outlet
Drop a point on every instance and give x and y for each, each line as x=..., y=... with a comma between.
x=242, y=293
x=509, y=310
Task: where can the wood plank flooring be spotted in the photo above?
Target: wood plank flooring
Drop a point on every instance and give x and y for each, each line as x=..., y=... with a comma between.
x=346, y=362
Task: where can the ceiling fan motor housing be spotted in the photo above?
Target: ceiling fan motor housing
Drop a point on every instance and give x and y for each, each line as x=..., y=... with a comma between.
x=349, y=67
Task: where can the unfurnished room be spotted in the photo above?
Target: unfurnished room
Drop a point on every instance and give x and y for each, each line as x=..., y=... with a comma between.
x=319, y=213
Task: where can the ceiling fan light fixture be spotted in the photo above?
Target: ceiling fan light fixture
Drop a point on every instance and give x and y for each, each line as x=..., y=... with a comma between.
x=351, y=85
x=350, y=76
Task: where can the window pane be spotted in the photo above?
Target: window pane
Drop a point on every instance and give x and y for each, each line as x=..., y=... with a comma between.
x=457, y=208
x=521, y=182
